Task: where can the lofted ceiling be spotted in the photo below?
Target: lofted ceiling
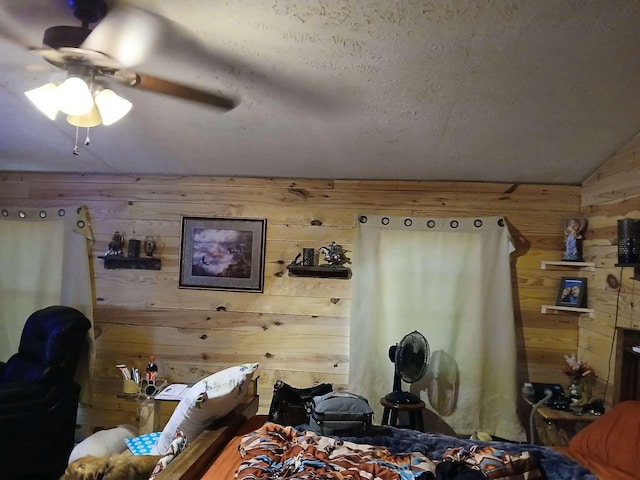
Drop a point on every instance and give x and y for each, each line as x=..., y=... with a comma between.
x=535, y=91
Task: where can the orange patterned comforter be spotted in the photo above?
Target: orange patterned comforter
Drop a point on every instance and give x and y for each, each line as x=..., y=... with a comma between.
x=275, y=451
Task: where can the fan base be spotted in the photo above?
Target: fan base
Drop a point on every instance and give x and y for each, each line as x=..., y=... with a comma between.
x=405, y=398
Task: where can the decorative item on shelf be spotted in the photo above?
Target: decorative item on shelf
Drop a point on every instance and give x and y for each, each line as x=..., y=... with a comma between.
x=335, y=255
x=151, y=376
x=309, y=257
x=295, y=262
x=572, y=292
x=134, y=248
x=115, y=258
x=581, y=378
x=116, y=244
x=152, y=368
x=150, y=246
x=574, y=230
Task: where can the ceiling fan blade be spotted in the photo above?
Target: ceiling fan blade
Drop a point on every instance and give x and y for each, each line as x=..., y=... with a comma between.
x=127, y=34
x=9, y=33
x=167, y=87
x=131, y=36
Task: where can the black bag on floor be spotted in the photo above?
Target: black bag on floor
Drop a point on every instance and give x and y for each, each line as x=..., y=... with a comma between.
x=290, y=405
x=340, y=413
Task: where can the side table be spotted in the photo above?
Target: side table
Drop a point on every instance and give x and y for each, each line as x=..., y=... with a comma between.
x=557, y=427
x=391, y=409
x=148, y=409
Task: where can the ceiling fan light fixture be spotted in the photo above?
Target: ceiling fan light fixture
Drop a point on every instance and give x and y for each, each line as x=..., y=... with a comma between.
x=112, y=106
x=45, y=99
x=91, y=119
x=74, y=97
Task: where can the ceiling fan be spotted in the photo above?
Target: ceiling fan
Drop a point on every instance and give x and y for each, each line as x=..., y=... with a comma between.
x=121, y=39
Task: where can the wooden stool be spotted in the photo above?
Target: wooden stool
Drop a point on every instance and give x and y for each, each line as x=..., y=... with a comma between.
x=391, y=410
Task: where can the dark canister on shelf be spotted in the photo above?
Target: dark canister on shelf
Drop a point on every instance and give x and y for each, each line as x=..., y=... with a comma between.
x=134, y=248
x=629, y=240
x=308, y=257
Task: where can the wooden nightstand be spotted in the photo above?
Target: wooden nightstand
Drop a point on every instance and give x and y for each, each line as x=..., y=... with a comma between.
x=557, y=427
x=148, y=410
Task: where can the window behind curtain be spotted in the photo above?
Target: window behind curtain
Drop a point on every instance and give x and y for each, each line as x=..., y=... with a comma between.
x=450, y=280
x=44, y=260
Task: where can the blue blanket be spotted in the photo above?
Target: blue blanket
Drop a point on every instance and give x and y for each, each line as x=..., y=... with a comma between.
x=556, y=466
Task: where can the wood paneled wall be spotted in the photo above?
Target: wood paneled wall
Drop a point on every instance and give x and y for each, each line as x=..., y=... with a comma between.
x=611, y=193
x=298, y=329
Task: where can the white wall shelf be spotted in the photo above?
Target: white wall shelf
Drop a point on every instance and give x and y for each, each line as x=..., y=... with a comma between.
x=559, y=263
x=557, y=308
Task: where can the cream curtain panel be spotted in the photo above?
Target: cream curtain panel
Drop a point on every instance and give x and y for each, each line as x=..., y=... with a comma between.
x=44, y=260
x=450, y=280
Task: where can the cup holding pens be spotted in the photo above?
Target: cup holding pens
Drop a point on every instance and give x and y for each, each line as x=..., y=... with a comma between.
x=129, y=386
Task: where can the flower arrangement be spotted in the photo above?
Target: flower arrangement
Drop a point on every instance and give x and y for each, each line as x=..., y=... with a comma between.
x=575, y=368
x=582, y=377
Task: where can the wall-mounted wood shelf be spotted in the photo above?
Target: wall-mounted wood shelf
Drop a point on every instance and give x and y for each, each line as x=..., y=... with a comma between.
x=559, y=263
x=322, y=272
x=558, y=308
x=140, y=263
x=590, y=266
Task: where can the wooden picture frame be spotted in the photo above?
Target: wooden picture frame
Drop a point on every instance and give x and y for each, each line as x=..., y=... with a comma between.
x=572, y=292
x=223, y=253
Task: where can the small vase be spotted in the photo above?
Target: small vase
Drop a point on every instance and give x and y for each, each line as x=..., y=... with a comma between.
x=149, y=246
x=577, y=392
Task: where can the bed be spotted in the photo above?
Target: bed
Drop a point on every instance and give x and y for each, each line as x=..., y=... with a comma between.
x=607, y=449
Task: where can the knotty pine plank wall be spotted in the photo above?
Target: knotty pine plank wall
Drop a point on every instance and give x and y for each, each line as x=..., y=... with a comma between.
x=298, y=329
x=611, y=193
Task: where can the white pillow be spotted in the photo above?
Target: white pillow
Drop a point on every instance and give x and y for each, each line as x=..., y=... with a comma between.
x=211, y=398
x=104, y=442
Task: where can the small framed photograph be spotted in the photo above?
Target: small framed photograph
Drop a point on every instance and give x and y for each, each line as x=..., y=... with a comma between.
x=572, y=292
x=223, y=253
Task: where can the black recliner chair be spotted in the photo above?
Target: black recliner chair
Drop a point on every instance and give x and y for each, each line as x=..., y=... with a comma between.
x=39, y=397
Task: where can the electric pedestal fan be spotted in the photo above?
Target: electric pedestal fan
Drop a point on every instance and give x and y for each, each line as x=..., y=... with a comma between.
x=411, y=359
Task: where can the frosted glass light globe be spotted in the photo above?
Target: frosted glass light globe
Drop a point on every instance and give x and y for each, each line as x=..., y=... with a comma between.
x=73, y=97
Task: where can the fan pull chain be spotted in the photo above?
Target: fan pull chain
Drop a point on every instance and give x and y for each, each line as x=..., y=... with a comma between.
x=75, y=146
x=87, y=140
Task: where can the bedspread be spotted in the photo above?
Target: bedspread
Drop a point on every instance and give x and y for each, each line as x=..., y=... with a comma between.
x=554, y=464
x=275, y=451
x=278, y=452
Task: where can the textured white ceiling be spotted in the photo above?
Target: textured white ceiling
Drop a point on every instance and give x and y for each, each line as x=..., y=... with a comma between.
x=539, y=91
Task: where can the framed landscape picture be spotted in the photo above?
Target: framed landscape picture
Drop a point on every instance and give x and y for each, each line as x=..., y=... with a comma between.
x=223, y=253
